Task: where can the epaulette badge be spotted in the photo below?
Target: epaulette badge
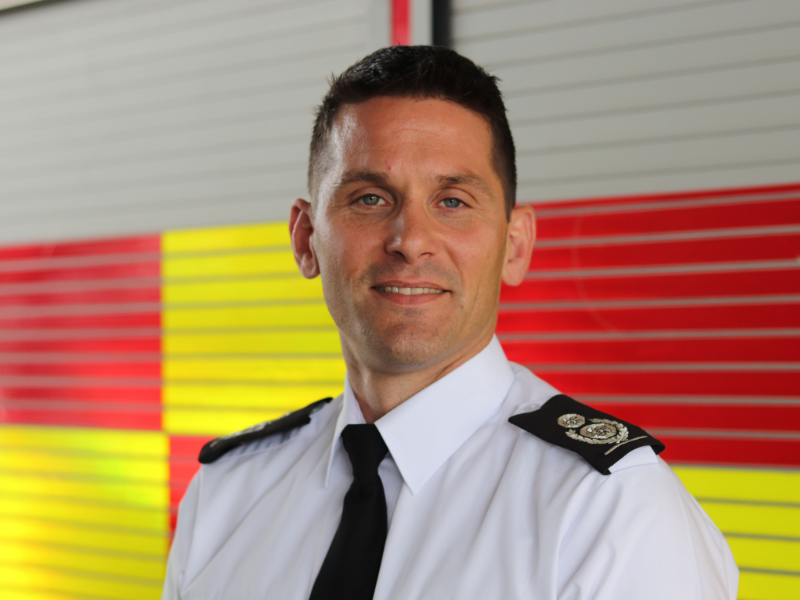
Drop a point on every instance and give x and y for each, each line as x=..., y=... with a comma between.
x=598, y=437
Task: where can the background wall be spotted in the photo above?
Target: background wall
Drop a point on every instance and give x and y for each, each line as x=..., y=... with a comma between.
x=632, y=96
x=148, y=299
x=120, y=116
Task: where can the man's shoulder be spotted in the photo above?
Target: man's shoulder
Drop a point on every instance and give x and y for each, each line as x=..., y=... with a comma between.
x=217, y=448
x=606, y=442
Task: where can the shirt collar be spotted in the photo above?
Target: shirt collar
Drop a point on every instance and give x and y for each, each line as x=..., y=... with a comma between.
x=425, y=430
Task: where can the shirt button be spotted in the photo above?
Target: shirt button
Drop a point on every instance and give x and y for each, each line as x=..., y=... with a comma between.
x=525, y=408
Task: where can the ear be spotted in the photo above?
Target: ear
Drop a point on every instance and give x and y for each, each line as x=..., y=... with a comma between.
x=519, y=244
x=301, y=229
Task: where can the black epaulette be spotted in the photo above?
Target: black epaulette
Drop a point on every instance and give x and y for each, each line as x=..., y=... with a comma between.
x=219, y=446
x=598, y=437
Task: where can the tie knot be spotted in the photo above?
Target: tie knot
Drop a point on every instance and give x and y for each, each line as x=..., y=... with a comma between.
x=366, y=450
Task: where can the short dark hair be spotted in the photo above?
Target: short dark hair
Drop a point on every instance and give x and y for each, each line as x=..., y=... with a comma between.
x=419, y=72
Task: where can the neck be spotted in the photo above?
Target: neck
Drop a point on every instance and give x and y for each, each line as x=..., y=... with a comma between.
x=379, y=390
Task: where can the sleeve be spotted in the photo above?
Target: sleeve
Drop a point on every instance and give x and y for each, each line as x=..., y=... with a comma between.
x=642, y=535
x=182, y=541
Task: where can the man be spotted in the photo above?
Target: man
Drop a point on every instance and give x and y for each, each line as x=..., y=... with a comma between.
x=443, y=471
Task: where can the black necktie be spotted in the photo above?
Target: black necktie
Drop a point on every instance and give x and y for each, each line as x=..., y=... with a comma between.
x=350, y=569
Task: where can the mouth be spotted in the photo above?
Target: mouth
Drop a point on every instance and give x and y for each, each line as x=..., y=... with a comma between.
x=407, y=291
x=410, y=293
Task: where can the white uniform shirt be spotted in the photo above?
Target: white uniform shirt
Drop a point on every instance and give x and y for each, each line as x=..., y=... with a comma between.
x=479, y=509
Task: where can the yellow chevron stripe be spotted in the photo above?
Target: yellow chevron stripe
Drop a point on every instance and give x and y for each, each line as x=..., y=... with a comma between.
x=31, y=577
x=776, y=555
x=92, y=562
x=116, y=442
x=100, y=466
x=122, y=493
x=83, y=513
x=760, y=485
x=225, y=317
x=768, y=586
x=196, y=409
x=45, y=472
x=229, y=265
x=314, y=370
x=220, y=421
x=755, y=519
x=235, y=237
x=268, y=342
x=205, y=371
x=54, y=532
x=95, y=489
x=256, y=396
x=9, y=594
x=290, y=287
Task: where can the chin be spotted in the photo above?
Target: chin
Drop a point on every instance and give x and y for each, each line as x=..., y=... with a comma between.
x=404, y=348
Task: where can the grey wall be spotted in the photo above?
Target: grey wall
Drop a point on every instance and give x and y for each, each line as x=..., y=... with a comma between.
x=121, y=116
x=626, y=96
x=124, y=116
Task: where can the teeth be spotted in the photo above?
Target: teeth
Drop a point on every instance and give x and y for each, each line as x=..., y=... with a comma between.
x=408, y=291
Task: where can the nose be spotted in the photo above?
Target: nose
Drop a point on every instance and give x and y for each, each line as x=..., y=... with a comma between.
x=411, y=235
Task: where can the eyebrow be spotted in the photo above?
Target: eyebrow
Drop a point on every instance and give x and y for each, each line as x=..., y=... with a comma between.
x=375, y=177
x=466, y=179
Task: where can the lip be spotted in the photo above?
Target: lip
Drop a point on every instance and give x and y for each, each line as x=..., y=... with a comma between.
x=410, y=284
x=400, y=299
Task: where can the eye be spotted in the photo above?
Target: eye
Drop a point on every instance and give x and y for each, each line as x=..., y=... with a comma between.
x=451, y=203
x=371, y=200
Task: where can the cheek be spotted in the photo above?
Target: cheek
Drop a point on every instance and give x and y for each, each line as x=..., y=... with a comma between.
x=343, y=253
x=479, y=258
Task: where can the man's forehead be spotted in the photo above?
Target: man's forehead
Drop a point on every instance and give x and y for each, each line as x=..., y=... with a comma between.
x=420, y=114
x=399, y=128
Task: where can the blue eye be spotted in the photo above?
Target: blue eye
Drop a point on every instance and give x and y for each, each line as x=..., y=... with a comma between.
x=451, y=202
x=371, y=199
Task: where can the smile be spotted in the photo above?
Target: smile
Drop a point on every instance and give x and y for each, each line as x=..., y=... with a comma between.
x=408, y=291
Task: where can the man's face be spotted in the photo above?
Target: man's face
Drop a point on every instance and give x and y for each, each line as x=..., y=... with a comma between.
x=409, y=231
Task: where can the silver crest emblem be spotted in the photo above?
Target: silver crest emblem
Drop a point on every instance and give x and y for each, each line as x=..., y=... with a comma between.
x=571, y=420
x=601, y=431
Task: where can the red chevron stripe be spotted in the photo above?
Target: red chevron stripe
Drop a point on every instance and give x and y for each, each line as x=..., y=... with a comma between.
x=110, y=345
x=121, y=245
x=143, y=370
x=657, y=286
x=683, y=415
x=703, y=317
x=115, y=419
x=101, y=321
x=122, y=271
x=100, y=394
x=689, y=383
x=734, y=249
x=738, y=192
x=109, y=296
x=731, y=451
x=683, y=350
